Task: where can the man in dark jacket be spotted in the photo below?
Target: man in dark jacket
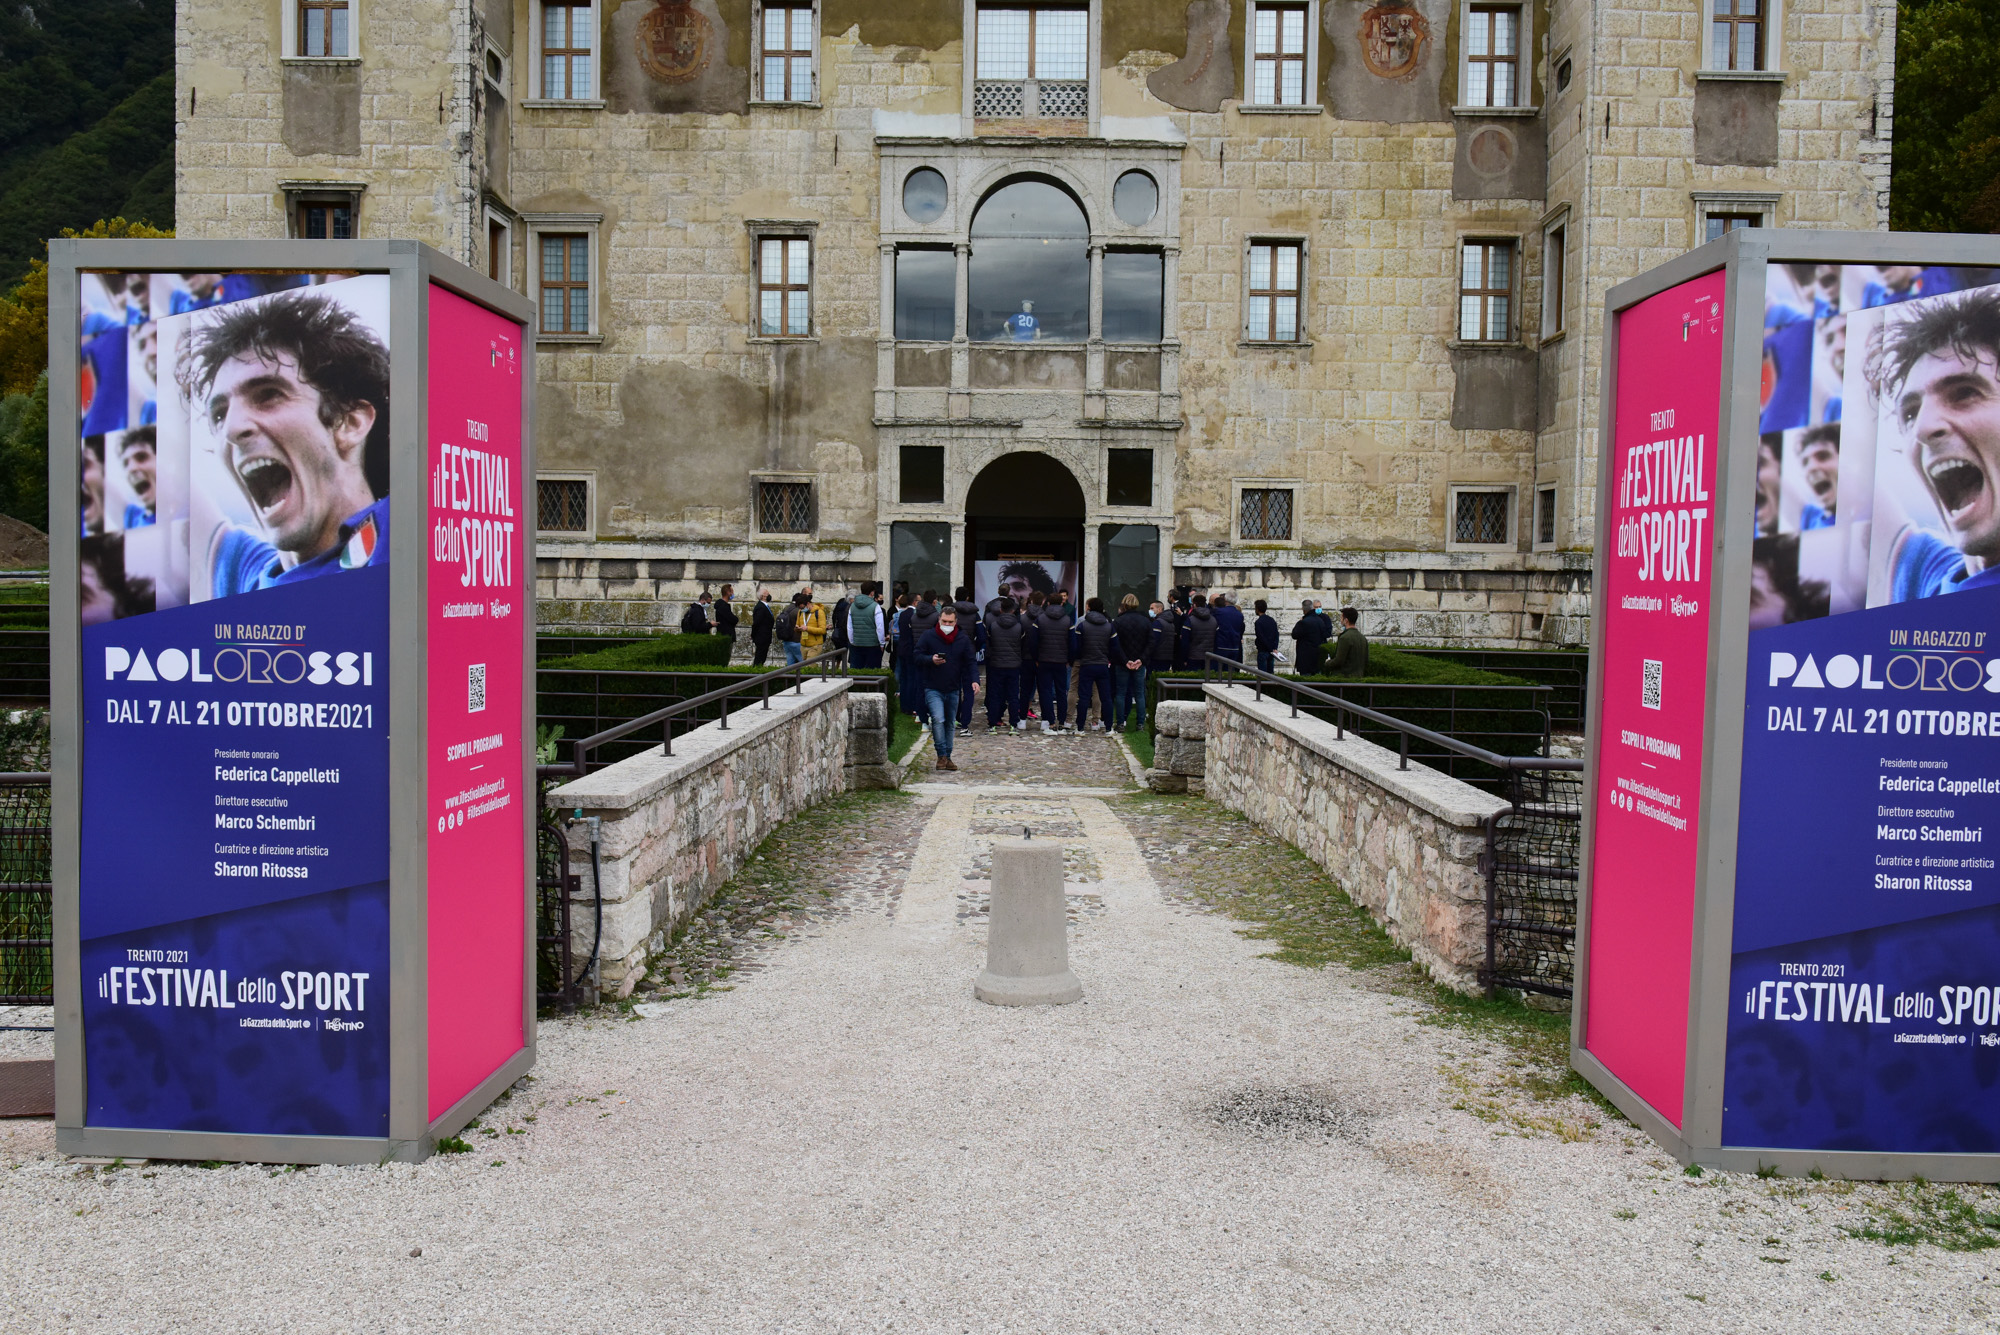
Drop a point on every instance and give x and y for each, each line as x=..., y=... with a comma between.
x=1166, y=638
x=1228, y=626
x=1350, y=651
x=949, y=669
x=1031, y=615
x=1052, y=665
x=837, y=629
x=1131, y=648
x=1094, y=637
x=1198, y=635
x=763, y=624
x=1006, y=644
x=1310, y=632
x=726, y=620
x=969, y=623
x=694, y=621
x=1267, y=638
x=915, y=622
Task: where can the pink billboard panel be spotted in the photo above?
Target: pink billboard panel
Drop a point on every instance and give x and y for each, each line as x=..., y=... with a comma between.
x=479, y=794
x=1654, y=654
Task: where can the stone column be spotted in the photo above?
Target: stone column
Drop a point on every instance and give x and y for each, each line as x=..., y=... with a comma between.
x=1170, y=336
x=960, y=398
x=1093, y=357
x=885, y=339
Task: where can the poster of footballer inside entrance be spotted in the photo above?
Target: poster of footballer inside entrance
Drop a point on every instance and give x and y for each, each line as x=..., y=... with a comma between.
x=1831, y=995
x=241, y=932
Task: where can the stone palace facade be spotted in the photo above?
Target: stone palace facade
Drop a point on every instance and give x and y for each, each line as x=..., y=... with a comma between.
x=1272, y=297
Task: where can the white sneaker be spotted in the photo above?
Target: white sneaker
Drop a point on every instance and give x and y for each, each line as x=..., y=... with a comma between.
x=1020, y=725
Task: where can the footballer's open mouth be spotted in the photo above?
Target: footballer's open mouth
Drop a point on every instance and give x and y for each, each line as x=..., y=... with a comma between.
x=1959, y=483
x=268, y=481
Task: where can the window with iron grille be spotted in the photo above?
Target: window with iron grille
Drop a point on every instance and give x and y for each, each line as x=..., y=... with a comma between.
x=566, y=51
x=1480, y=518
x=563, y=505
x=1717, y=225
x=1493, y=56
x=565, y=283
x=1545, y=516
x=1277, y=271
x=1736, y=34
x=323, y=28
x=785, y=507
x=326, y=219
x=1486, y=292
x=786, y=68
x=1266, y=515
x=784, y=287
x=1031, y=61
x=1278, y=55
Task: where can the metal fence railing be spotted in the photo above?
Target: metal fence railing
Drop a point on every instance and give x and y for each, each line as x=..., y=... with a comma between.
x=1532, y=848
x=1566, y=672
x=26, y=933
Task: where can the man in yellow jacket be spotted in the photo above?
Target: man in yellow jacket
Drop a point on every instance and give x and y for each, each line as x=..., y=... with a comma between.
x=812, y=625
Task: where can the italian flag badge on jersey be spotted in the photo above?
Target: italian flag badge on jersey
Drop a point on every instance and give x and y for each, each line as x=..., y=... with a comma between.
x=360, y=547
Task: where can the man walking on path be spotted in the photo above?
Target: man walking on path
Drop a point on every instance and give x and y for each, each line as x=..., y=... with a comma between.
x=1094, y=638
x=726, y=619
x=1350, y=651
x=1310, y=632
x=949, y=670
x=865, y=629
x=1133, y=646
x=1052, y=657
x=1228, y=627
x=1198, y=637
x=763, y=626
x=1006, y=642
x=694, y=621
x=1267, y=638
x=968, y=623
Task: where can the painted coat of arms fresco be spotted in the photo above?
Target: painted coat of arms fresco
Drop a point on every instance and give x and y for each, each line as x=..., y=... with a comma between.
x=674, y=42
x=1393, y=37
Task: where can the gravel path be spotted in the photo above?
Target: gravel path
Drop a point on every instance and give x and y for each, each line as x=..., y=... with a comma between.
x=1210, y=1141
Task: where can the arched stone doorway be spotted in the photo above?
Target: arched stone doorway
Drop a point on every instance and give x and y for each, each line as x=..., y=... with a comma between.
x=1024, y=506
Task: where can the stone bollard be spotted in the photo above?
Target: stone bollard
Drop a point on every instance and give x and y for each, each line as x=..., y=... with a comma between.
x=1027, y=930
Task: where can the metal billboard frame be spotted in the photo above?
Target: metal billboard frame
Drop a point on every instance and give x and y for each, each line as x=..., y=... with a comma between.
x=1744, y=254
x=412, y=268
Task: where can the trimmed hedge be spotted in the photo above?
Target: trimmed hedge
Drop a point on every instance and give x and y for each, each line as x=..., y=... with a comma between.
x=661, y=653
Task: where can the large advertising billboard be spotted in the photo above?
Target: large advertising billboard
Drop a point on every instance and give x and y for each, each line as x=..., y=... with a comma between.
x=1653, y=686
x=233, y=566
x=1865, y=972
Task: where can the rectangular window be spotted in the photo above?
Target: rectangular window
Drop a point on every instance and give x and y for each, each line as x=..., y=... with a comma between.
x=499, y=250
x=1736, y=31
x=1479, y=518
x=565, y=283
x=1545, y=516
x=919, y=557
x=1128, y=478
x=1031, y=61
x=788, y=53
x=920, y=474
x=323, y=28
x=784, y=507
x=926, y=293
x=1555, y=280
x=562, y=505
x=1718, y=225
x=1492, y=55
x=784, y=287
x=1134, y=290
x=566, y=51
x=1276, y=283
x=326, y=221
x=1486, y=292
x=1278, y=55
x=1128, y=561
x=1266, y=515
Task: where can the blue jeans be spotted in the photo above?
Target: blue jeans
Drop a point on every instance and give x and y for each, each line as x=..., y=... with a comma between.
x=1267, y=660
x=1054, y=681
x=1093, y=677
x=943, y=707
x=1003, y=695
x=794, y=653
x=1128, y=696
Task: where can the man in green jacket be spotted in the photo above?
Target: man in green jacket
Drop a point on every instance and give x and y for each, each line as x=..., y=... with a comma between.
x=1350, y=647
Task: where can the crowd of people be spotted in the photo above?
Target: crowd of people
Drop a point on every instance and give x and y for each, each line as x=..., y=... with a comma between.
x=1028, y=659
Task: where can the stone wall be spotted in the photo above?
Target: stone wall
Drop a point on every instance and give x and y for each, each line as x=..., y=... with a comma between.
x=1406, y=844
x=677, y=827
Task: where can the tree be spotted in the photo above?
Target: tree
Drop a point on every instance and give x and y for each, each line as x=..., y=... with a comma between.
x=1945, y=176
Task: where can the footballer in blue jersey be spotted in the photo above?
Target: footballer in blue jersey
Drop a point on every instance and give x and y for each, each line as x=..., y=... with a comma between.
x=296, y=390
x=1024, y=327
x=137, y=455
x=1818, y=450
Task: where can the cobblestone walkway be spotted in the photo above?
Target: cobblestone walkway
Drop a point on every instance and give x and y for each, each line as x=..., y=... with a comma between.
x=837, y=1137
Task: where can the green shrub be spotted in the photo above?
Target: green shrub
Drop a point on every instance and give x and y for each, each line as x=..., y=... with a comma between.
x=662, y=653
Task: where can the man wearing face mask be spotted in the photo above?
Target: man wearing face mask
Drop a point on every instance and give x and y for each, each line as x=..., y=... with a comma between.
x=296, y=390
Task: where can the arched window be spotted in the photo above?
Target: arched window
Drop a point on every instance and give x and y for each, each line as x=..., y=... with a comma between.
x=1028, y=279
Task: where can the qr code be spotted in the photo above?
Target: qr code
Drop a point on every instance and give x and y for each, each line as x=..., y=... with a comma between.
x=1649, y=686
x=475, y=688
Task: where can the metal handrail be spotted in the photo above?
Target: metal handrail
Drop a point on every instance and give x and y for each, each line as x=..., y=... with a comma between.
x=1230, y=667
x=761, y=682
